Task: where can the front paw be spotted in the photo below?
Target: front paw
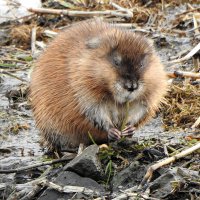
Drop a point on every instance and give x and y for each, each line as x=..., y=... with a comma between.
x=128, y=131
x=114, y=134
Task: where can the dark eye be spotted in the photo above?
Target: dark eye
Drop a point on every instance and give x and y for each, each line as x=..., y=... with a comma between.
x=117, y=62
x=142, y=64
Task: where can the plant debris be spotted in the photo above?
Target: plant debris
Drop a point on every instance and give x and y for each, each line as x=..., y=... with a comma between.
x=183, y=106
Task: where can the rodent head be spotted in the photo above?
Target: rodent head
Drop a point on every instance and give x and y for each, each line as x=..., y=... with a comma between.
x=121, y=59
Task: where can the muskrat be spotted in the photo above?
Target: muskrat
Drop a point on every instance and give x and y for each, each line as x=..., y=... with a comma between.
x=83, y=81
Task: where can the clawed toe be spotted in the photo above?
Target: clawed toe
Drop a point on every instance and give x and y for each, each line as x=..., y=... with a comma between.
x=114, y=134
x=128, y=131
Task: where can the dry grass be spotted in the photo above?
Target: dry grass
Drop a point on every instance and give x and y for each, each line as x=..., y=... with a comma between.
x=183, y=106
x=21, y=35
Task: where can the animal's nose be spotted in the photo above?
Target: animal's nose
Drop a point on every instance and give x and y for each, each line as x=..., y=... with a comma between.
x=131, y=86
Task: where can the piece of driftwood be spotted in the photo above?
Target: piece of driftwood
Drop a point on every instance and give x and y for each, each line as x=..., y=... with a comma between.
x=37, y=165
x=74, y=13
x=68, y=188
x=176, y=74
x=151, y=169
x=188, y=56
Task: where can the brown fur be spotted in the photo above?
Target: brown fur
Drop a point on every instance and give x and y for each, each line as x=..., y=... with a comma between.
x=74, y=73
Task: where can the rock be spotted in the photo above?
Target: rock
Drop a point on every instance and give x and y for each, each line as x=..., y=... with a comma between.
x=87, y=164
x=128, y=177
x=164, y=186
x=72, y=179
x=6, y=184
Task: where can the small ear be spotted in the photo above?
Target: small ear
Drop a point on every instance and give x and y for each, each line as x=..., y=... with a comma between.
x=93, y=43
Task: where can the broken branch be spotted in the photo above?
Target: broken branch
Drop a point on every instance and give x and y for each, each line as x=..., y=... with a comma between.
x=176, y=74
x=68, y=188
x=188, y=56
x=151, y=169
x=74, y=13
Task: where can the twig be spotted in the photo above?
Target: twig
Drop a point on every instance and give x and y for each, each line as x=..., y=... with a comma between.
x=173, y=150
x=117, y=6
x=130, y=26
x=195, y=25
x=121, y=9
x=37, y=165
x=165, y=150
x=74, y=13
x=40, y=44
x=151, y=169
x=180, y=54
x=188, y=56
x=197, y=122
x=16, y=70
x=13, y=60
x=176, y=74
x=188, y=11
x=12, y=75
x=50, y=33
x=163, y=5
x=68, y=188
x=118, y=25
x=7, y=65
x=33, y=40
x=190, y=6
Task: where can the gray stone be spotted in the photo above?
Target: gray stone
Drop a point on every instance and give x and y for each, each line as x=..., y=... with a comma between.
x=87, y=164
x=72, y=179
x=162, y=186
x=128, y=177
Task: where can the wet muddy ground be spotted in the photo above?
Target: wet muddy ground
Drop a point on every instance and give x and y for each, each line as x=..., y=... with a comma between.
x=19, y=139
